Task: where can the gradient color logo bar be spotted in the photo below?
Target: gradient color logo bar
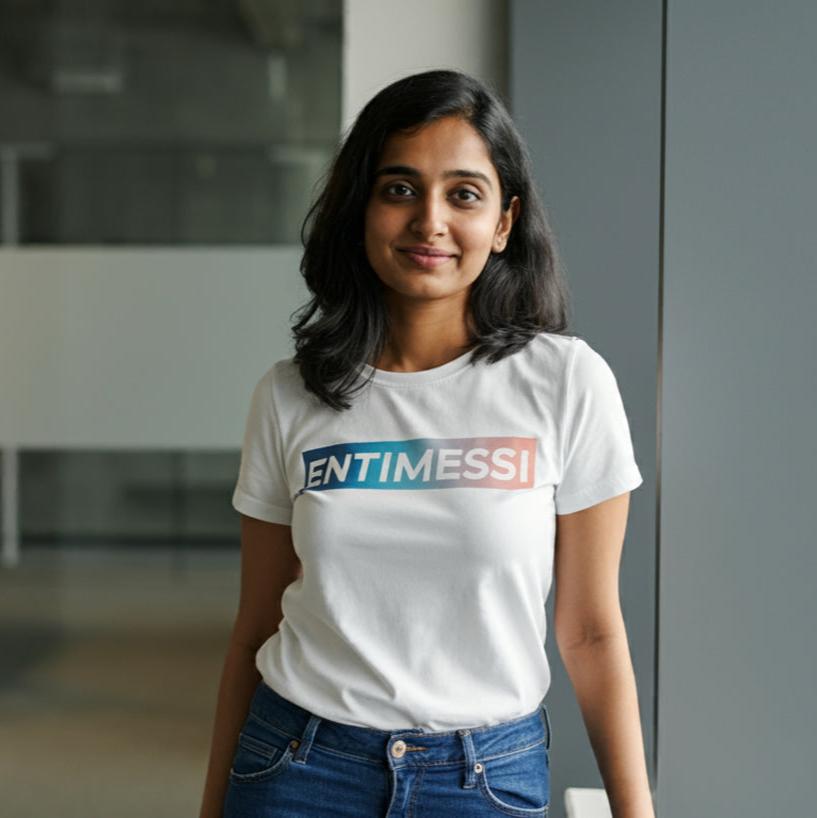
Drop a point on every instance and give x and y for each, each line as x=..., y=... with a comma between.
x=423, y=463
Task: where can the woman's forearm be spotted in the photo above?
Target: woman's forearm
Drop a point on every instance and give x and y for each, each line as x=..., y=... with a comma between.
x=602, y=675
x=239, y=679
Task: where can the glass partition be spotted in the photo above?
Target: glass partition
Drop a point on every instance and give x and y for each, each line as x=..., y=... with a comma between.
x=203, y=121
x=153, y=123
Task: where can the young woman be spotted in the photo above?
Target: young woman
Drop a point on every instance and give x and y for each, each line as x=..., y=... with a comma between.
x=436, y=449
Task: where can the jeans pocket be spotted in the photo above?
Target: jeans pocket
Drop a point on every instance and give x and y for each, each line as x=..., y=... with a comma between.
x=547, y=726
x=260, y=754
x=517, y=783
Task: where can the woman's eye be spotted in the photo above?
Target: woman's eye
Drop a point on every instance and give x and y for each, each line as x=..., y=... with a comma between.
x=390, y=188
x=471, y=192
x=398, y=188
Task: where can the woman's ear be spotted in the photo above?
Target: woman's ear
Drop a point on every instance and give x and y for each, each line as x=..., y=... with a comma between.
x=506, y=220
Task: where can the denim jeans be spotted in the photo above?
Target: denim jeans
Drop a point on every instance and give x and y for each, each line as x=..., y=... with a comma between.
x=291, y=763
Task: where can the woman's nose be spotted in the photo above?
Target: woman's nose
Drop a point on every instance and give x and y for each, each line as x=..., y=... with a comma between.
x=429, y=217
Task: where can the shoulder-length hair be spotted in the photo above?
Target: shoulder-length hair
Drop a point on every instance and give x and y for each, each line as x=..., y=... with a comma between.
x=520, y=292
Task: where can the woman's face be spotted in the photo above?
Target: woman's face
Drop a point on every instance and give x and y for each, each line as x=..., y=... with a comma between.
x=435, y=190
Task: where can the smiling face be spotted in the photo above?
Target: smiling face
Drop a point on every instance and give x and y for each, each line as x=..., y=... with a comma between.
x=435, y=190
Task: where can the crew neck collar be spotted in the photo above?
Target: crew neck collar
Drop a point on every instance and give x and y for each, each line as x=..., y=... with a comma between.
x=389, y=377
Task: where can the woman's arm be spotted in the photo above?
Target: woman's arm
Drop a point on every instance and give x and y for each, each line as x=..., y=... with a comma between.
x=592, y=641
x=239, y=678
x=268, y=565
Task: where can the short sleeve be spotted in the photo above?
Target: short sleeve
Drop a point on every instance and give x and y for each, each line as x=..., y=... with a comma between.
x=262, y=490
x=596, y=448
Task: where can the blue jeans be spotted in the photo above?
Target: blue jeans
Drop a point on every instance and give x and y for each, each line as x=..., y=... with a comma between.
x=291, y=763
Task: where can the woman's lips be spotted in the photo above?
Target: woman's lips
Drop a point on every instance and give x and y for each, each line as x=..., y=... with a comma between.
x=426, y=261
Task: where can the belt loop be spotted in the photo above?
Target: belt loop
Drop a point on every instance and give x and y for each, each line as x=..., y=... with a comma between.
x=470, y=758
x=546, y=721
x=306, y=739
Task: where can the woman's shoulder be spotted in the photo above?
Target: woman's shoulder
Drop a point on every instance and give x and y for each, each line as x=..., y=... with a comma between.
x=281, y=379
x=567, y=346
x=554, y=349
x=561, y=341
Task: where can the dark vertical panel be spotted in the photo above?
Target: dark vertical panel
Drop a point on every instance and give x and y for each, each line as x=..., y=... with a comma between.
x=586, y=87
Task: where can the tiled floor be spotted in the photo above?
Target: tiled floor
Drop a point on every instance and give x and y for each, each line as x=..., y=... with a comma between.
x=109, y=668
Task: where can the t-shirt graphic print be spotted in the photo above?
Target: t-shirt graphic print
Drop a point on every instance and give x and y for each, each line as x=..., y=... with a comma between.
x=422, y=463
x=424, y=518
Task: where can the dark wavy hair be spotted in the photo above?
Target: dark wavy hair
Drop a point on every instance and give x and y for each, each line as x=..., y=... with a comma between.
x=520, y=292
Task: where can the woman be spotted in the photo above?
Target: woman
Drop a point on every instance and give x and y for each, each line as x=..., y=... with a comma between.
x=410, y=479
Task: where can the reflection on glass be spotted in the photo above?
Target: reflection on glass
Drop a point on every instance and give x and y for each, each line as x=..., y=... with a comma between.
x=203, y=122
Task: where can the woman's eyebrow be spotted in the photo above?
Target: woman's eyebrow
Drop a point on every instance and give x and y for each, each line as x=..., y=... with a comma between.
x=406, y=170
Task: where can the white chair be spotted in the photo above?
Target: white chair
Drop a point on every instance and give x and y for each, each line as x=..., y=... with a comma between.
x=586, y=802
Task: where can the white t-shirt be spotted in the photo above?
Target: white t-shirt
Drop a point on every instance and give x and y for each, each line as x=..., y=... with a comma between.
x=424, y=520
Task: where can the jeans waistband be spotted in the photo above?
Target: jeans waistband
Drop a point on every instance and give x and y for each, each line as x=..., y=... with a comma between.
x=411, y=747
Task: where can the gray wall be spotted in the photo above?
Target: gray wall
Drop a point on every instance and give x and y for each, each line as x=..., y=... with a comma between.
x=723, y=312
x=738, y=671
x=585, y=83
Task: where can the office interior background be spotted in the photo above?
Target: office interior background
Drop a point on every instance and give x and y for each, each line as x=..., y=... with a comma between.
x=156, y=162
